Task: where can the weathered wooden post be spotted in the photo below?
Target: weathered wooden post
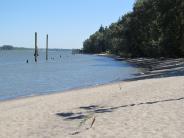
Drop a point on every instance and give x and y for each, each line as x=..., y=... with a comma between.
x=36, y=48
x=47, y=37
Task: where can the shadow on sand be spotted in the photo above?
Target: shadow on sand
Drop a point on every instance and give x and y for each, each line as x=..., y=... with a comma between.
x=95, y=109
x=157, y=68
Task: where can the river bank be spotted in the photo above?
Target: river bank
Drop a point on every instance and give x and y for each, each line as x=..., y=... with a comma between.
x=153, y=67
x=146, y=106
x=143, y=108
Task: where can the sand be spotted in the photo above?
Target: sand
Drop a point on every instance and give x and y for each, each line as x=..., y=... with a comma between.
x=151, y=108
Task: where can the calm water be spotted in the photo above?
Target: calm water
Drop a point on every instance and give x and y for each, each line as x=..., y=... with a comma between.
x=19, y=79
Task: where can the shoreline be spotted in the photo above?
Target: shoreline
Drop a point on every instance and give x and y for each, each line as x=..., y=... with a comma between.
x=153, y=67
x=136, y=62
x=138, y=108
x=19, y=95
x=142, y=108
x=65, y=91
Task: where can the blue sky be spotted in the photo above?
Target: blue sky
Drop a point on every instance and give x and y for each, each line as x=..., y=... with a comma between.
x=68, y=22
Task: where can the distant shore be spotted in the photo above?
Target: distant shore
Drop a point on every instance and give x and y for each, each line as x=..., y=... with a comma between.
x=136, y=109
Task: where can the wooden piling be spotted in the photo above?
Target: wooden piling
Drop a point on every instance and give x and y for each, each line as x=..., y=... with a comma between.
x=36, y=48
x=47, y=39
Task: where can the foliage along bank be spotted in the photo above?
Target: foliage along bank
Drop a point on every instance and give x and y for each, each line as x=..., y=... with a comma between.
x=155, y=28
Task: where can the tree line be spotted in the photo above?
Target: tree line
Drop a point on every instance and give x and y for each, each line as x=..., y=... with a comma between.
x=155, y=28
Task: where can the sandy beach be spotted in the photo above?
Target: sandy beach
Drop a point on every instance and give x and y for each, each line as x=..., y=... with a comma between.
x=137, y=109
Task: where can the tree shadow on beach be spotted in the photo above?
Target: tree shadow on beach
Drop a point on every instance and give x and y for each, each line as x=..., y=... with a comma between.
x=81, y=115
x=95, y=109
